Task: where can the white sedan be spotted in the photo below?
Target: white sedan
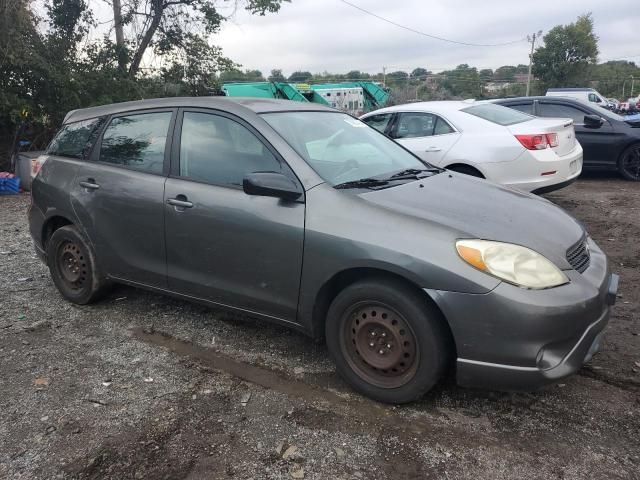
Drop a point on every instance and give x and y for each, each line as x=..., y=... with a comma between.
x=486, y=140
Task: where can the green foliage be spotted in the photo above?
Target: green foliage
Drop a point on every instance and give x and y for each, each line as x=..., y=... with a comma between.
x=300, y=77
x=463, y=82
x=567, y=54
x=277, y=76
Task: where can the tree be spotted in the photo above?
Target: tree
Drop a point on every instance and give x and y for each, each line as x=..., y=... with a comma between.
x=356, y=75
x=567, y=54
x=300, y=77
x=506, y=73
x=276, y=76
x=419, y=73
x=486, y=74
x=171, y=26
x=463, y=82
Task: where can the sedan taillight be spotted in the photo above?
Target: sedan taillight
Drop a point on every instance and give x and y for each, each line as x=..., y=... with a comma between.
x=534, y=142
x=552, y=139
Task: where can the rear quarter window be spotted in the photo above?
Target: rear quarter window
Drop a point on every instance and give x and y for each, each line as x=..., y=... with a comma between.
x=75, y=139
x=497, y=114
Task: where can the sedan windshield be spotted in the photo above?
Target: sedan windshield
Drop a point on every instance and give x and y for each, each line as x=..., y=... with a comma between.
x=342, y=149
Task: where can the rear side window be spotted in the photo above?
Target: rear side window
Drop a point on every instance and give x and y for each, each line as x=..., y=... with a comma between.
x=523, y=107
x=75, y=139
x=497, y=114
x=137, y=141
x=217, y=150
x=442, y=127
x=555, y=110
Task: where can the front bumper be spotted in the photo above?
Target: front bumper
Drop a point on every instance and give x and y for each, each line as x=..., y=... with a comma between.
x=517, y=339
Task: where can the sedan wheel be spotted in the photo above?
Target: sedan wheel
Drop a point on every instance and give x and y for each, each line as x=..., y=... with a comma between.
x=629, y=163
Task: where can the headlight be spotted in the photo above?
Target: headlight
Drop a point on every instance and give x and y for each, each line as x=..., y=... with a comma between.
x=513, y=263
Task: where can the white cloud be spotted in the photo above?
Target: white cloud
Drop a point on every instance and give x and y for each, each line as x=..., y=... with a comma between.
x=329, y=35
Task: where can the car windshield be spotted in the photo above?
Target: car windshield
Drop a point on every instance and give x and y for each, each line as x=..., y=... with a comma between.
x=341, y=148
x=497, y=114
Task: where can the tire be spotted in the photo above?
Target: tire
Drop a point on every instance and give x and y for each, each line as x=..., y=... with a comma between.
x=467, y=170
x=378, y=311
x=629, y=163
x=73, y=266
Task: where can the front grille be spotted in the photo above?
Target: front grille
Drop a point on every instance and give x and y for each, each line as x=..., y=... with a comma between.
x=578, y=256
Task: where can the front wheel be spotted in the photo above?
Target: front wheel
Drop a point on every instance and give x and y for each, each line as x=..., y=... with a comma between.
x=387, y=342
x=629, y=163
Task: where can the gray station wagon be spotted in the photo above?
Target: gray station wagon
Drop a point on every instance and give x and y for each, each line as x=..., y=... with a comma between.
x=307, y=217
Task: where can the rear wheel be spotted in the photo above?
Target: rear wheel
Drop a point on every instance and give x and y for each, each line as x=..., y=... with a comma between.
x=73, y=267
x=467, y=170
x=629, y=163
x=386, y=340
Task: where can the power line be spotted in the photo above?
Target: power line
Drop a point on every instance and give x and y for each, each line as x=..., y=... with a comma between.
x=435, y=37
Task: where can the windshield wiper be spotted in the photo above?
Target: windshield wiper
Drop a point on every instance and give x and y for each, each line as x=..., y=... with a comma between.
x=362, y=183
x=414, y=172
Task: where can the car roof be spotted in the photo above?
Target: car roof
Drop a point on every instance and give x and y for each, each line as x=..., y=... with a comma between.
x=539, y=97
x=440, y=106
x=236, y=105
x=573, y=89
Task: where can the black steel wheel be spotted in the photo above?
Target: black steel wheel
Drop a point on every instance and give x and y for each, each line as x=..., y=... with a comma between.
x=73, y=267
x=379, y=344
x=388, y=340
x=629, y=163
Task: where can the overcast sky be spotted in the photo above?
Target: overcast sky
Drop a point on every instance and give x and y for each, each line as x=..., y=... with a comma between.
x=319, y=35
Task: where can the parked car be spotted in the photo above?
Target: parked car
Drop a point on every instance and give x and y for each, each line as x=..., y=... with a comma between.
x=585, y=94
x=610, y=141
x=302, y=215
x=487, y=141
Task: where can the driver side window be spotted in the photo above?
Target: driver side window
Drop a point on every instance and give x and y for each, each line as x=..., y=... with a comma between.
x=220, y=151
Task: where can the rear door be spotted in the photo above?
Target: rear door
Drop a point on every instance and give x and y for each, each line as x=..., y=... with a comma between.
x=118, y=195
x=596, y=142
x=427, y=135
x=223, y=245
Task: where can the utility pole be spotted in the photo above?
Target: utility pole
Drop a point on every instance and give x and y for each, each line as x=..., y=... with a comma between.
x=384, y=76
x=632, y=80
x=117, y=25
x=532, y=40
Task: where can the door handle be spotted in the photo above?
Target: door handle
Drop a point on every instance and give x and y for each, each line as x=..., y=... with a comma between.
x=433, y=149
x=90, y=184
x=180, y=202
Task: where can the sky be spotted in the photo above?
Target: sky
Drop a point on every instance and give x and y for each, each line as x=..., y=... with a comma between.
x=329, y=35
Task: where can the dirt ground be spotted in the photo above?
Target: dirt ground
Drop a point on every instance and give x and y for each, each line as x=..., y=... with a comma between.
x=144, y=386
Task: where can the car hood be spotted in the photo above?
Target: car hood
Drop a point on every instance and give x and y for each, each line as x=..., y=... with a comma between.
x=476, y=208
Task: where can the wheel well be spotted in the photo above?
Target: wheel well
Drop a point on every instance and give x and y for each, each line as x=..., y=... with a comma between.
x=467, y=169
x=51, y=225
x=343, y=279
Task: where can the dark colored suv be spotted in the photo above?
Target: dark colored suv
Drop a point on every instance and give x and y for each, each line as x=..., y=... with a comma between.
x=305, y=216
x=609, y=141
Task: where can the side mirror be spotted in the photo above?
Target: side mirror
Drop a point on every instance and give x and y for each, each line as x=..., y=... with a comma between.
x=593, y=121
x=271, y=184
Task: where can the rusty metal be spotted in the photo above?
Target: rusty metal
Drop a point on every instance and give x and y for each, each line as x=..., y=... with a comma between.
x=380, y=345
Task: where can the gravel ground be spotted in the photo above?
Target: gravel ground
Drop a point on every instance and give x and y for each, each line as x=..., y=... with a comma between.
x=144, y=386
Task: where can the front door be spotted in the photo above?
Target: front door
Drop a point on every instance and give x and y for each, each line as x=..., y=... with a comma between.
x=224, y=245
x=118, y=196
x=427, y=135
